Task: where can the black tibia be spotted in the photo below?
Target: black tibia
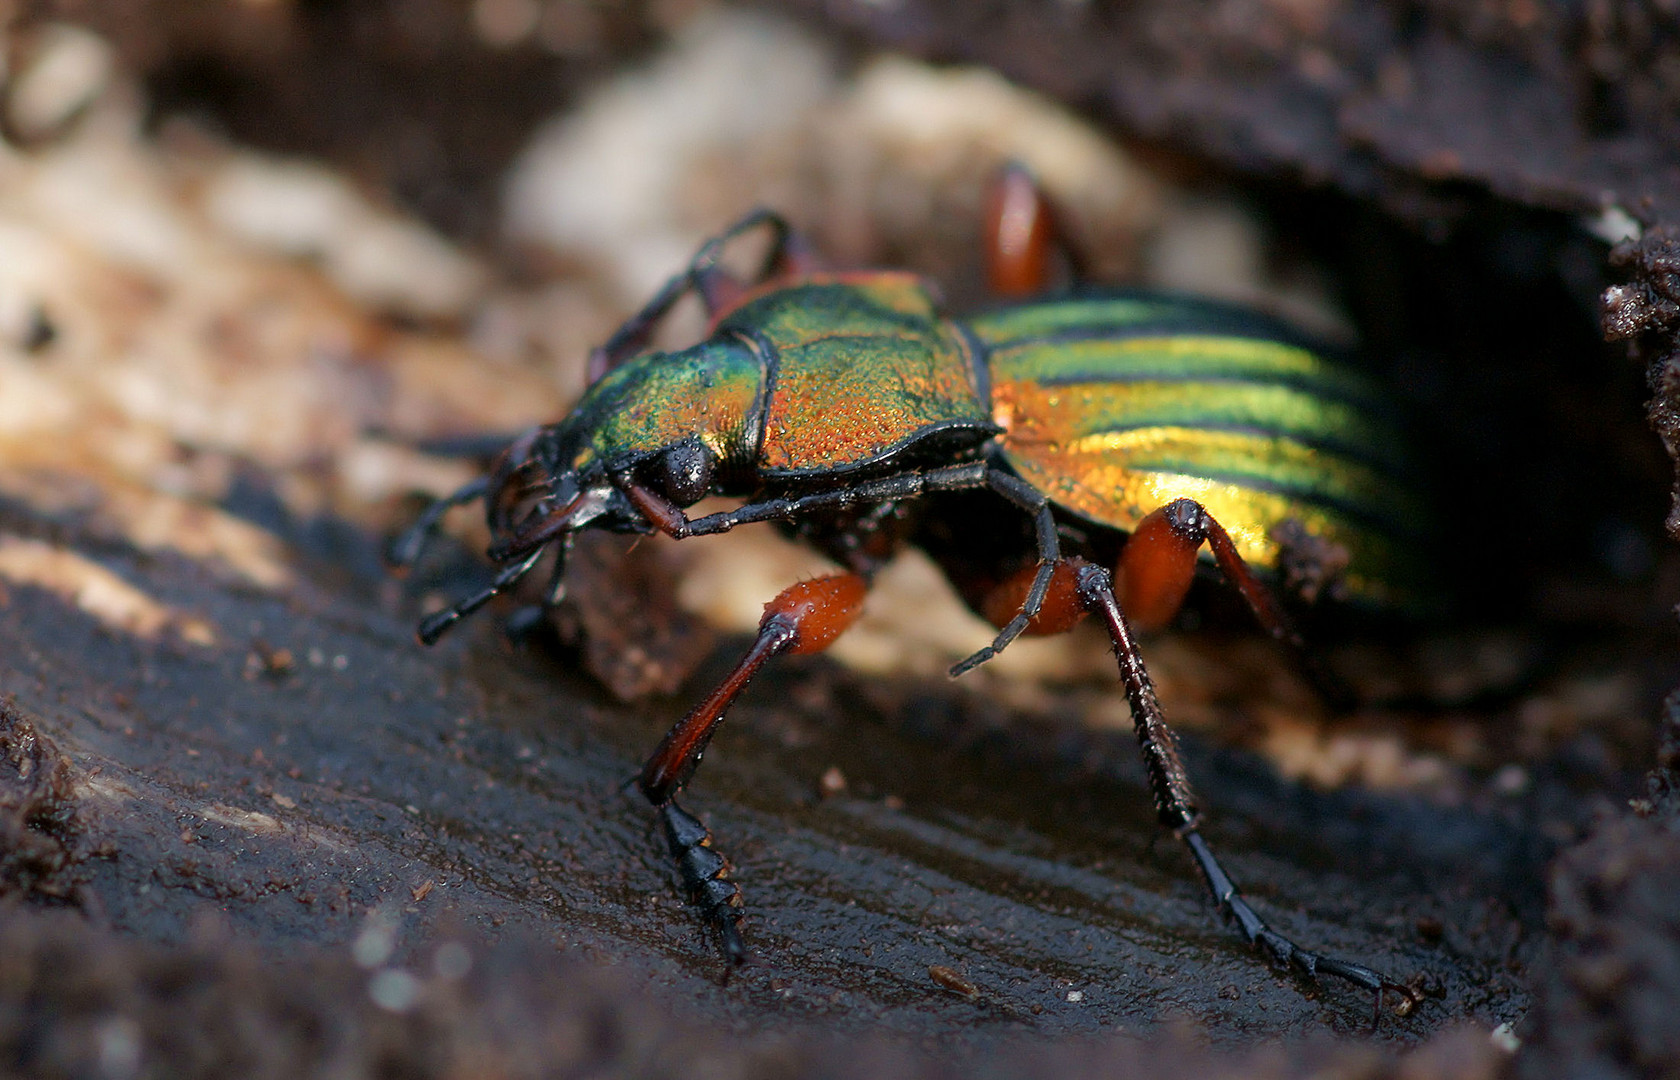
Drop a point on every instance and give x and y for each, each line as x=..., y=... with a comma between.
x=1175, y=803
x=705, y=875
x=1189, y=519
x=1035, y=502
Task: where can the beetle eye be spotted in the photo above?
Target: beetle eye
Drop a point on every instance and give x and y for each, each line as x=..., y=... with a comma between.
x=686, y=471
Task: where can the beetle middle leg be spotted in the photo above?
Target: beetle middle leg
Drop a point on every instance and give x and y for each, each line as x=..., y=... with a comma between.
x=1175, y=802
x=668, y=518
x=1035, y=502
x=803, y=618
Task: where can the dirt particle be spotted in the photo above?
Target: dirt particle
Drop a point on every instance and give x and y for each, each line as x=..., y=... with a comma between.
x=38, y=831
x=951, y=979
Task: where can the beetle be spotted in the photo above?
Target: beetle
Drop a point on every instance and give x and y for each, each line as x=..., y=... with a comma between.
x=1123, y=429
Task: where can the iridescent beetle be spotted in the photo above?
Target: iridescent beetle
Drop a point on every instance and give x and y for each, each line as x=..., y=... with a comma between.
x=846, y=406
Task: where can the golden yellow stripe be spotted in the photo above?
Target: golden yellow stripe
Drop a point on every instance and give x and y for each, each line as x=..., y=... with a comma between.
x=1121, y=497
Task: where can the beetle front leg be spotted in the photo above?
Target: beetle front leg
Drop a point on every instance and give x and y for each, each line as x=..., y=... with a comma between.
x=1175, y=803
x=803, y=618
x=404, y=551
x=662, y=514
x=703, y=275
x=433, y=626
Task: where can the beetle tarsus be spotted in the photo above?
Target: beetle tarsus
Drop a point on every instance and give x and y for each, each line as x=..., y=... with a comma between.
x=1283, y=951
x=705, y=877
x=1033, y=501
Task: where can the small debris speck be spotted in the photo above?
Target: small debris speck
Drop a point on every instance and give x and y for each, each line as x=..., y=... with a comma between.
x=952, y=980
x=1076, y=996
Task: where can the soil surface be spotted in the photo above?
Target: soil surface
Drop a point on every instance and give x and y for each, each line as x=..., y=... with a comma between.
x=358, y=782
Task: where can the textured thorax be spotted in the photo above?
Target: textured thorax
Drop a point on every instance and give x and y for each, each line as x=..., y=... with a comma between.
x=861, y=367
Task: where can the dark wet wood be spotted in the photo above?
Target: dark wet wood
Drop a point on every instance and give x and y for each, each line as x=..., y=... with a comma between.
x=480, y=786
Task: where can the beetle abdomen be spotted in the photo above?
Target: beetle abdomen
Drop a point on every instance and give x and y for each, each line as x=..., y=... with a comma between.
x=1115, y=406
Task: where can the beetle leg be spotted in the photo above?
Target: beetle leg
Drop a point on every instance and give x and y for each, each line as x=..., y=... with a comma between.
x=404, y=551
x=703, y=276
x=1021, y=231
x=1061, y=611
x=1159, y=561
x=1035, y=502
x=669, y=519
x=1175, y=803
x=433, y=626
x=806, y=617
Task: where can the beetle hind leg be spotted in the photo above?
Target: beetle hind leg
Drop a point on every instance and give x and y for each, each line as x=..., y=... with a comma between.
x=1283, y=951
x=1022, y=231
x=1159, y=560
x=1175, y=803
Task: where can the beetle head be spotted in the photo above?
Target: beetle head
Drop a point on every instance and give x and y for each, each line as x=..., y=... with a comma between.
x=667, y=422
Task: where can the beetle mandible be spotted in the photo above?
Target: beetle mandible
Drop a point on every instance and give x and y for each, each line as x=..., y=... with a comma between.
x=846, y=406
